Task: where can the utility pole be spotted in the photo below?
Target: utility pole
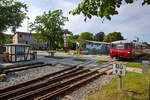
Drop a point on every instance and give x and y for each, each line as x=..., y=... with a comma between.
x=65, y=41
x=28, y=24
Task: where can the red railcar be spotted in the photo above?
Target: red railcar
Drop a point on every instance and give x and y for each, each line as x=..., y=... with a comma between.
x=126, y=49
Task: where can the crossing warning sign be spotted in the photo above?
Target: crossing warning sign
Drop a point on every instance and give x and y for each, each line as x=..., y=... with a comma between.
x=119, y=69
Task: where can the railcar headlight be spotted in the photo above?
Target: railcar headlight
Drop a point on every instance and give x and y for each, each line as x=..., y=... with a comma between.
x=128, y=52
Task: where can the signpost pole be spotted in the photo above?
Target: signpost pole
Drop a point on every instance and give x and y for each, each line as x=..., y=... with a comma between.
x=119, y=70
x=119, y=83
x=65, y=41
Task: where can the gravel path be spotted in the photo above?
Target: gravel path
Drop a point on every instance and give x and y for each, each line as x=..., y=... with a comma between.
x=137, y=70
x=17, y=77
x=90, y=88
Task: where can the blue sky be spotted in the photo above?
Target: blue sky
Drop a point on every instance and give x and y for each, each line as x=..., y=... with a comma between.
x=133, y=20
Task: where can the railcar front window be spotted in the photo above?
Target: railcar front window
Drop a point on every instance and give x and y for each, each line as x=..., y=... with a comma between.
x=119, y=46
x=113, y=46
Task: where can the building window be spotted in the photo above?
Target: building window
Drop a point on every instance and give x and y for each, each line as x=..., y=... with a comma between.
x=20, y=36
x=26, y=42
x=19, y=41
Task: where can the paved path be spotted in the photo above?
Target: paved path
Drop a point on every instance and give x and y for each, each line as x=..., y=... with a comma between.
x=68, y=59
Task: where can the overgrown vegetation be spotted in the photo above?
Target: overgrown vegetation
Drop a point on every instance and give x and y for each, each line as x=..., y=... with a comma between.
x=82, y=60
x=135, y=87
x=54, y=57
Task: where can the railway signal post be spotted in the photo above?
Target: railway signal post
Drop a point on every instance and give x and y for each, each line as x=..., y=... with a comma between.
x=65, y=41
x=119, y=70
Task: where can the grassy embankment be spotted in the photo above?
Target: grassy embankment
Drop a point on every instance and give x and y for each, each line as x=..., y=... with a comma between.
x=54, y=57
x=82, y=60
x=135, y=87
x=134, y=65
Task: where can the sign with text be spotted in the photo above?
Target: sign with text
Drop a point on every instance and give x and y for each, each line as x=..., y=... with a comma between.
x=119, y=69
x=65, y=41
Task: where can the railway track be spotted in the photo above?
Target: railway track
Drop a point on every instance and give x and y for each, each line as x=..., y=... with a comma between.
x=17, y=68
x=51, y=85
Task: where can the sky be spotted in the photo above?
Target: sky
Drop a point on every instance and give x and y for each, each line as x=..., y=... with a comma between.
x=132, y=21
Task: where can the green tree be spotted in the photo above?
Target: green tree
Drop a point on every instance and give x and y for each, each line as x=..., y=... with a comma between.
x=114, y=36
x=5, y=39
x=75, y=36
x=49, y=26
x=146, y=43
x=101, y=8
x=12, y=13
x=2, y=39
x=86, y=36
x=99, y=36
x=8, y=38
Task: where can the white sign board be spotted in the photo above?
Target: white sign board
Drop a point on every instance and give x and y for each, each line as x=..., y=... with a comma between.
x=65, y=42
x=119, y=69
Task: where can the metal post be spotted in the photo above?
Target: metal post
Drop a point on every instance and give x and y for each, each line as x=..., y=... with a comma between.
x=66, y=44
x=119, y=83
x=149, y=86
x=145, y=65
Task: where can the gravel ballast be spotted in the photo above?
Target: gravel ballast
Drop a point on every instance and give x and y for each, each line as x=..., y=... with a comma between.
x=90, y=88
x=77, y=94
x=17, y=77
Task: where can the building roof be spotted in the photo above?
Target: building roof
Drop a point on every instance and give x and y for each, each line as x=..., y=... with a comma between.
x=88, y=41
x=20, y=44
x=25, y=33
x=127, y=41
x=122, y=41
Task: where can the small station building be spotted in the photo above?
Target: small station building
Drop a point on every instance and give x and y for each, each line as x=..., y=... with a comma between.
x=17, y=53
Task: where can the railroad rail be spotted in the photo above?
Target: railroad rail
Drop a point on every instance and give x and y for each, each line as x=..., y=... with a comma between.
x=52, y=85
x=16, y=68
x=21, y=65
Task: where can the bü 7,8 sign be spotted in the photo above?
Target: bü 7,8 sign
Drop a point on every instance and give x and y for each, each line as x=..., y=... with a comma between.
x=119, y=69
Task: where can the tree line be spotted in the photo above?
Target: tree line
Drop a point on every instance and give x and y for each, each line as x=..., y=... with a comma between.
x=100, y=37
x=50, y=24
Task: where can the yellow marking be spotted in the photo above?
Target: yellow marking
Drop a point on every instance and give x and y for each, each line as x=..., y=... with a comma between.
x=1, y=75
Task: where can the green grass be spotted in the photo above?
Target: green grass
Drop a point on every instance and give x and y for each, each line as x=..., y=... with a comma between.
x=101, y=62
x=134, y=87
x=82, y=60
x=54, y=57
x=134, y=65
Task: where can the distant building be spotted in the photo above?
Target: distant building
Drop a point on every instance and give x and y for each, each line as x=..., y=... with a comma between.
x=94, y=47
x=26, y=38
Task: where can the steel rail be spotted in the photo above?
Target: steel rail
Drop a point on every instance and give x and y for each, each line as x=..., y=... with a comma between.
x=35, y=86
x=24, y=84
x=25, y=68
x=52, y=87
x=55, y=93
x=21, y=65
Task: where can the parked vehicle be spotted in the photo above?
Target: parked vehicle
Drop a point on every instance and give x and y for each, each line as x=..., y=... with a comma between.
x=126, y=49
